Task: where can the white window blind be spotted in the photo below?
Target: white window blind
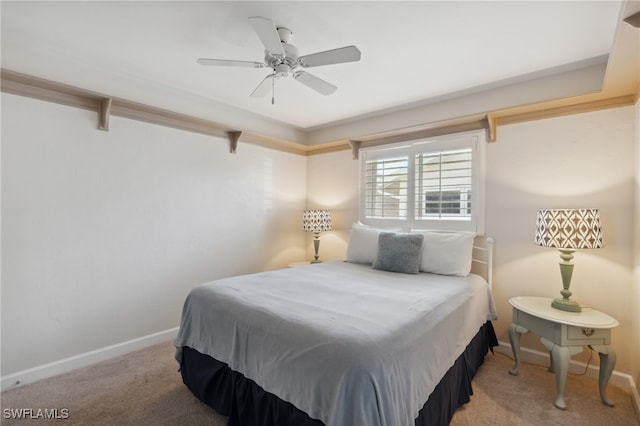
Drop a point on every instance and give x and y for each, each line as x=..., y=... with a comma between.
x=444, y=185
x=386, y=188
x=430, y=184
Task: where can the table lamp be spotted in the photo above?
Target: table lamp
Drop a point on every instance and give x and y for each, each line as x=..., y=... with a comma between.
x=568, y=230
x=316, y=221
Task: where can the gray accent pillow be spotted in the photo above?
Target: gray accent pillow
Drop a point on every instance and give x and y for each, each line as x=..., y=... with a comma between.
x=399, y=252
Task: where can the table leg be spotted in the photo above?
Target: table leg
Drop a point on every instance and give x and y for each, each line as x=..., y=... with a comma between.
x=560, y=355
x=515, y=331
x=607, y=363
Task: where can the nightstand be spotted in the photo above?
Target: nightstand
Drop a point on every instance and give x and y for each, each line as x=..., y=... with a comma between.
x=564, y=334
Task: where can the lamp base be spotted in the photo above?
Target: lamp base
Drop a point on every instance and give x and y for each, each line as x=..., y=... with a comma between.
x=316, y=247
x=568, y=305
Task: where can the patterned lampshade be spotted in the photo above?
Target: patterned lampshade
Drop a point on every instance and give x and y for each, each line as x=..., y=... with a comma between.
x=316, y=220
x=569, y=229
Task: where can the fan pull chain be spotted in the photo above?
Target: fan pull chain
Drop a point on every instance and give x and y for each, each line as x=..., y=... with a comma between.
x=273, y=89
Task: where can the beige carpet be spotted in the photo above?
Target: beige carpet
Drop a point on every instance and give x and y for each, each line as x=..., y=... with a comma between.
x=144, y=388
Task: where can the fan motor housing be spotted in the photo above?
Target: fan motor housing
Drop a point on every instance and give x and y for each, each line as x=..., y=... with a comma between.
x=290, y=58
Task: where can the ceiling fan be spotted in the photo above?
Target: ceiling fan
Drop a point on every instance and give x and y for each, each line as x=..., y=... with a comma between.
x=282, y=57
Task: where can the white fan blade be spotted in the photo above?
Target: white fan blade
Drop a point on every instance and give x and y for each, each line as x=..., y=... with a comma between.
x=228, y=63
x=328, y=57
x=315, y=83
x=268, y=34
x=264, y=86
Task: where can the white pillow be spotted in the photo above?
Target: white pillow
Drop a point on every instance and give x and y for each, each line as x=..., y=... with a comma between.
x=363, y=244
x=446, y=253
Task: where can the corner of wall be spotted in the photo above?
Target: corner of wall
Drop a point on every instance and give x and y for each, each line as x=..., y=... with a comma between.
x=636, y=282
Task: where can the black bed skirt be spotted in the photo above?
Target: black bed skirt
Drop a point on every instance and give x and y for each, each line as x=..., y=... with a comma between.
x=247, y=404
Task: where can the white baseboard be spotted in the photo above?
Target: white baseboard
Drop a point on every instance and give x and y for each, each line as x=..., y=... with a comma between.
x=82, y=360
x=622, y=380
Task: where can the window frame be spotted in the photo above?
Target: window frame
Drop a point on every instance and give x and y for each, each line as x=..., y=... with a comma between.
x=476, y=140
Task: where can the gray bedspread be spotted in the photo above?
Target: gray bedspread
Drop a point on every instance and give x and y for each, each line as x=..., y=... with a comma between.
x=347, y=344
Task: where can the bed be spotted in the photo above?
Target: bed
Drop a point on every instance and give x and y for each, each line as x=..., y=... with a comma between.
x=343, y=343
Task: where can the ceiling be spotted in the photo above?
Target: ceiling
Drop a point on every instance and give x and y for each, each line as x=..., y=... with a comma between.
x=414, y=54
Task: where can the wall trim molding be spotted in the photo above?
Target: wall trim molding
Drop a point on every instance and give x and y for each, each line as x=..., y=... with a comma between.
x=579, y=108
x=37, y=88
x=328, y=148
x=618, y=378
x=11, y=381
x=447, y=127
x=105, y=106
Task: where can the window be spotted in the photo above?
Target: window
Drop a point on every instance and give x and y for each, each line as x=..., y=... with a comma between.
x=386, y=183
x=444, y=183
x=431, y=184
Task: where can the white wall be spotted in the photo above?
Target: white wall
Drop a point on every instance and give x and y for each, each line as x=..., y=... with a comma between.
x=332, y=180
x=585, y=160
x=104, y=233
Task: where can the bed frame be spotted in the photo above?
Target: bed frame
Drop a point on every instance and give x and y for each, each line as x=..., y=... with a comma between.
x=247, y=404
x=482, y=258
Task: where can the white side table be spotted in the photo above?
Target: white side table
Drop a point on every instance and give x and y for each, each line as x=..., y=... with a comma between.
x=564, y=334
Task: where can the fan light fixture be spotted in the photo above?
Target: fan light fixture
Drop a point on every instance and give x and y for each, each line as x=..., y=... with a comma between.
x=568, y=230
